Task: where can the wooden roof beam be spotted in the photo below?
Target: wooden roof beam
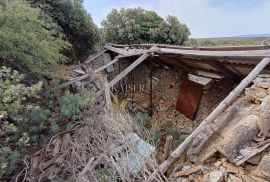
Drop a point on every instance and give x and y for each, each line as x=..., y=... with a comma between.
x=219, y=66
x=197, y=71
x=116, y=50
x=175, y=63
x=253, y=55
x=115, y=60
x=188, y=68
x=203, y=48
x=131, y=67
x=89, y=60
x=158, y=61
x=243, y=65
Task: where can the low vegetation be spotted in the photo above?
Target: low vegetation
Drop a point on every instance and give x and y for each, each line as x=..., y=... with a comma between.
x=228, y=41
x=25, y=117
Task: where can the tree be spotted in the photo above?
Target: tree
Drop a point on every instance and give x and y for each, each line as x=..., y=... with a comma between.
x=28, y=40
x=129, y=25
x=137, y=25
x=171, y=31
x=75, y=22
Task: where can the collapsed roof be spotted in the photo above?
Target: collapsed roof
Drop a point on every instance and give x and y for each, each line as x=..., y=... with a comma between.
x=213, y=62
x=223, y=61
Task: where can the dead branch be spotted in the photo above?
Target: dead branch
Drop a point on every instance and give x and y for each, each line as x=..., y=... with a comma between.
x=167, y=149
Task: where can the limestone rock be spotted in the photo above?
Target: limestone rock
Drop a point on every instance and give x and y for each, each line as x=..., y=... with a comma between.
x=145, y=106
x=230, y=168
x=263, y=122
x=254, y=160
x=262, y=82
x=263, y=170
x=216, y=176
x=233, y=178
x=218, y=164
x=245, y=152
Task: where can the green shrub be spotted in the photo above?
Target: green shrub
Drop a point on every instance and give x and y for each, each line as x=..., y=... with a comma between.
x=38, y=123
x=25, y=115
x=14, y=103
x=8, y=160
x=142, y=119
x=53, y=128
x=13, y=94
x=71, y=105
x=178, y=138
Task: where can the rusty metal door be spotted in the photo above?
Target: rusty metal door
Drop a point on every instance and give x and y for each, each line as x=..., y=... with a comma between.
x=189, y=98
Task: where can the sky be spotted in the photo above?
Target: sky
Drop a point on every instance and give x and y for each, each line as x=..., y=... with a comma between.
x=205, y=18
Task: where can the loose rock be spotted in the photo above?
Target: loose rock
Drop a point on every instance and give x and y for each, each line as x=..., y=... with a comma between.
x=216, y=176
x=254, y=160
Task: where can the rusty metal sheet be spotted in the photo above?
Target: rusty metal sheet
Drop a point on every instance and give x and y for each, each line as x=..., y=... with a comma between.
x=189, y=98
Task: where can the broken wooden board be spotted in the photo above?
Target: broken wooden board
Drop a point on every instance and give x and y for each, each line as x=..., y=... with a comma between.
x=90, y=59
x=237, y=55
x=167, y=149
x=107, y=65
x=188, y=171
x=107, y=93
x=116, y=50
x=107, y=59
x=204, y=48
x=130, y=68
x=254, y=152
x=115, y=61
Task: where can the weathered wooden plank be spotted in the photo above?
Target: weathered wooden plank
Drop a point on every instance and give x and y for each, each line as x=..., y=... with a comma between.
x=254, y=152
x=77, y=79
x=116, y=60
x=131, y=54
x=107, y=93
x=193, y=69
x=116, y=50
x=232, y=52
x=213, y=48
x=237, y=55
x=89, y=60
x=188, y=171
x=107, y=59
x=130, y=68
x=220, y=67
x=107, y=65
x=235, y=65
x=168, y=147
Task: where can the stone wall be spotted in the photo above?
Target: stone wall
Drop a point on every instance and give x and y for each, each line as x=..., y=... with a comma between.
x=165, y=89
